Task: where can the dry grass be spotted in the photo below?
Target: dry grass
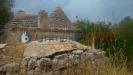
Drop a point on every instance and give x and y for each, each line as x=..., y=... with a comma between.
x=87, y=69
x=110, y=69
x=117, y=66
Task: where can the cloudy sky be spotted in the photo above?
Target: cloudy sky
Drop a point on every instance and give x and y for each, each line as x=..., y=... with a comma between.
x=93, y=10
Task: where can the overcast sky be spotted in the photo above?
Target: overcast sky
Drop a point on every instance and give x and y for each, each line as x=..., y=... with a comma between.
x=93, y=10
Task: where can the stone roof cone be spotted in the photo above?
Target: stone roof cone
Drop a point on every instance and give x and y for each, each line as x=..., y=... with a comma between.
x=23, y=19
x=59, y=21
x=57, y=8
x=21, y=13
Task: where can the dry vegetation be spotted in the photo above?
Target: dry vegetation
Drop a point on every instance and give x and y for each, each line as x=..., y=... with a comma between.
x=110, y=69
x=118, y=66
x=114, y=67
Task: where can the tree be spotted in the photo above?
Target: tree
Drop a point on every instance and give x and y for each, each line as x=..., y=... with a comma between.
x=125, y=33
x=5, y=13
x=93, y=32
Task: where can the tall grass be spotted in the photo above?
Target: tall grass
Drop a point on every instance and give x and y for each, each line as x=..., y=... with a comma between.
x=114, y=67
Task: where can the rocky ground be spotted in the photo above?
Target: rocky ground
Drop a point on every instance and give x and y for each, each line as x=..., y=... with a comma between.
x=50, y=57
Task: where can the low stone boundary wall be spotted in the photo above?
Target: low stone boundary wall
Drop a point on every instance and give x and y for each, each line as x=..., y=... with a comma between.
x=63, y=60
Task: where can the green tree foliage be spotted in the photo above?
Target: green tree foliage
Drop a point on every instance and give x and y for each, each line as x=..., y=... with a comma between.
x=5, y=13
x=124, y=32
x=113, y=38
x=87, y=26
x=91, y=30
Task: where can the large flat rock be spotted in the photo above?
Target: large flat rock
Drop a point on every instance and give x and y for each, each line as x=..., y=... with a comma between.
x=42, y=49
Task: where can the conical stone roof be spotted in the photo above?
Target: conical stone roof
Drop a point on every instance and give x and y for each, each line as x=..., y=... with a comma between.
x=25, y=21
x=59, y=21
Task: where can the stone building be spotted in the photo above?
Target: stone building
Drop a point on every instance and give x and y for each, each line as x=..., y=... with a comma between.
x=43, y=26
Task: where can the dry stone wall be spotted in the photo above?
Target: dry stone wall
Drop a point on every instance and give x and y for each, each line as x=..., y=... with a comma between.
x=63, y=60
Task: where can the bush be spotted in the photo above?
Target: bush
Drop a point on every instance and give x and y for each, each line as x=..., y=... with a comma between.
x=110, y=37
